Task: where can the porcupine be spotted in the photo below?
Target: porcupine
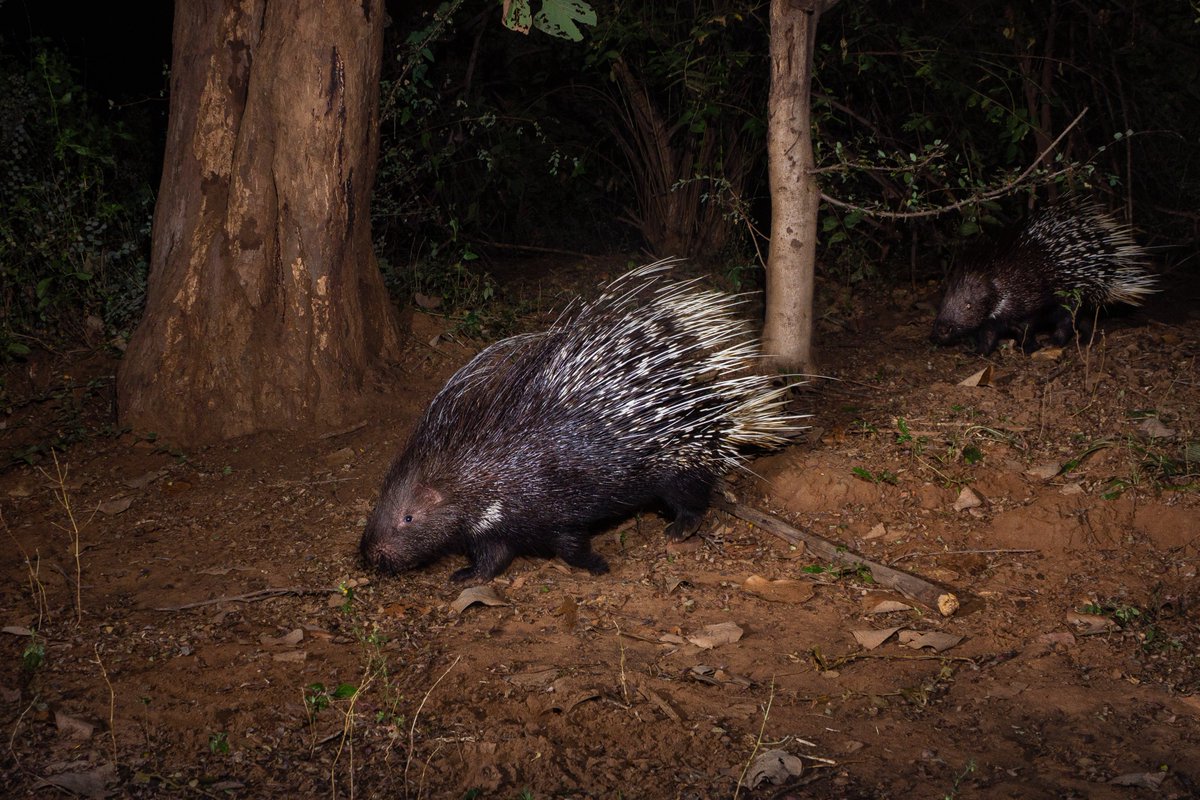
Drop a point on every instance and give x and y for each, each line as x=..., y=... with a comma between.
x=1050, y=276
x=645, y=395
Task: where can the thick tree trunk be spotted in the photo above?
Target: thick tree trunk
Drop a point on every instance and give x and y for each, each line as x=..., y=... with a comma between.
x=265, y=307
x=795, y=195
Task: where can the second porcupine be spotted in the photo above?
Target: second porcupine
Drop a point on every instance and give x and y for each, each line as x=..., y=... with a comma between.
x=1050, y=276
x=646, y=395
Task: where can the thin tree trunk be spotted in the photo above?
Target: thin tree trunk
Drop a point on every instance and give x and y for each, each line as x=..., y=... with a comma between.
x=795, y=195
x=265, y=307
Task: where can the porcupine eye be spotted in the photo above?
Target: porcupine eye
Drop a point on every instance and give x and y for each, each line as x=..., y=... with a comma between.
x=407, y=519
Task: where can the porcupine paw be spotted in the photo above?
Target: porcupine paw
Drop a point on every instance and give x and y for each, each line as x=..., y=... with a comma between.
x=578, y=553
x=683, y=526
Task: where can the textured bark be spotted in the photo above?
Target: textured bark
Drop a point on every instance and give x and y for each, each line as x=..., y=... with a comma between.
x=265, y=308
x=795, y=195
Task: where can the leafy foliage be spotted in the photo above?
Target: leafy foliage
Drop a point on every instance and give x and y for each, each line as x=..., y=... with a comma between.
x=74, y=236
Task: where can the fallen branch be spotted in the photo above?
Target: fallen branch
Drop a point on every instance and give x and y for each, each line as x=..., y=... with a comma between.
x=924, y=592
x=251, y=597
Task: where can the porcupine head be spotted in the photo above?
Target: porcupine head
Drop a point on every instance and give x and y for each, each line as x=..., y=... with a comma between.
x=970, y=298
x=414, y=522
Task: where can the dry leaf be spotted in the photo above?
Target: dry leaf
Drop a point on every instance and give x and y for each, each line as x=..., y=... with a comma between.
x=780, y=591
x=115, y=506
x=774, y=767
x=288, y=639
x=143, y=480
x=1044, y=471
x=17, y=630
x=291, y=655
x=1153, y=428
x=870, y=639
x=92, y=783
x=876, y=531
x=1047, y=354
x=967, y=499
x=936, y=639
x=1142, y=780
x=672, y=638
x=1090, y=624
x=485, y=594
x=981, y=378
x=574, y=700
x=73, y=727
x=1071, y=488
x=883, y=603
x=711, y=636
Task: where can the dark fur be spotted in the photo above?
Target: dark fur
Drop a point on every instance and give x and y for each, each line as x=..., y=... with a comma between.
x=1050, y=277
x=519, y=454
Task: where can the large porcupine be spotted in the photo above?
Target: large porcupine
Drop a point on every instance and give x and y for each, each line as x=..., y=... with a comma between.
x=1051, y=275
x=646, y=394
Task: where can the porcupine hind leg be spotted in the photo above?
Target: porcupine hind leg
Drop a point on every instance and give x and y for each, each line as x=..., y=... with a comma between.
x=575, y=548
x=687, y=495
x=1068, y=325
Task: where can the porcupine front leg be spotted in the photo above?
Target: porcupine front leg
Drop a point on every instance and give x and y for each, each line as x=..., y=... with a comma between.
x=488, y=559
x=575, y=548
x=987, y=337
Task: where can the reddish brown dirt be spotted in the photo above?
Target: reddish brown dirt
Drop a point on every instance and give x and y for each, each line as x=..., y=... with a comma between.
x=588, y=687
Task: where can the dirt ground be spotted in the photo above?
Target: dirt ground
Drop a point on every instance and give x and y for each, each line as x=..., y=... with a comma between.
x=217, y=637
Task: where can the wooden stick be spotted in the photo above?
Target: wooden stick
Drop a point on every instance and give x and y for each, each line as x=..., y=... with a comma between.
x=924, y=592
x=251, y=597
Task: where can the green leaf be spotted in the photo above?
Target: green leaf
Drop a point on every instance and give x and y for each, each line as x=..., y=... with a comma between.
x=519, y=17
x=561, y=18
x=344, y=690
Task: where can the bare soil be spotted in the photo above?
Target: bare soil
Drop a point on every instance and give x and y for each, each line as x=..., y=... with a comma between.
x=1072, y=670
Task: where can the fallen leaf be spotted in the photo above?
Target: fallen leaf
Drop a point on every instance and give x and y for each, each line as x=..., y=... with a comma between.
x=689, y=545
x=1090, y=624
x=290, y=656
x=569, y=611
x=784, y=590
x=574, y=700
x=659, y=701
x=711, y=636
x=1044, y=471
x=1071, y=489
x=1142, y=780
x=1153, y=428
x=288, y=639
x=981, y=378
x=672, y=638
x=876, y=532
x=91, y=783
x=880, y=603
x=17, y=630
x=774, y=767
x=870, y=639
x=485, y=594
x=967, y=499
x=143, y=480
x=115, y=506
x=1047, y=354
x=936, y=639
x=73, y=727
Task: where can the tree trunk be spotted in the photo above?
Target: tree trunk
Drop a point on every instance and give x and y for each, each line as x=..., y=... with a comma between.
x=265, y=308
x=795, y=196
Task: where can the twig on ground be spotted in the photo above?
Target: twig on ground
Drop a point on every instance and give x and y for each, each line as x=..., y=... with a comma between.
x=925, y=592
x=251, y=597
